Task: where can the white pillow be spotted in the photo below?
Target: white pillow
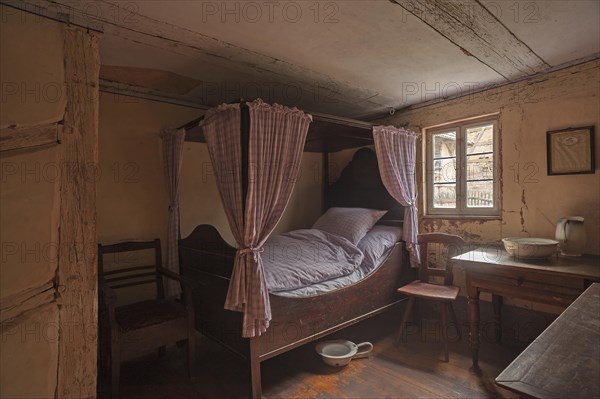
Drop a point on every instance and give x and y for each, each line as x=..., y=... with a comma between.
x=350, y=223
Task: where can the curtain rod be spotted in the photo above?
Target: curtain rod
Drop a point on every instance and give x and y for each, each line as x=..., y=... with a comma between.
x=317, y=117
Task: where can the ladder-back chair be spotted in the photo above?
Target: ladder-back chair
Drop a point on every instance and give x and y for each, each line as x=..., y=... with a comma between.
x=140, y=326
x=435, y=283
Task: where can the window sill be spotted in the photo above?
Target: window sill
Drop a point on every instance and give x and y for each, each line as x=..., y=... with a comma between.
x=464, y=217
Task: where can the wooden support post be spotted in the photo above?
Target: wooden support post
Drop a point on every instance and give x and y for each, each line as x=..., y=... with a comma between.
x=76, y=275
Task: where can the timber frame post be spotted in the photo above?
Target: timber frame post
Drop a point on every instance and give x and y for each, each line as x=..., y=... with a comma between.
x=76, y=276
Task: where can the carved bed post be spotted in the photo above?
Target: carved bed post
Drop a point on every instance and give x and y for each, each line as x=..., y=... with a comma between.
x=255, y=368
x=255, y=376
x=245, y=139
x=325, y=181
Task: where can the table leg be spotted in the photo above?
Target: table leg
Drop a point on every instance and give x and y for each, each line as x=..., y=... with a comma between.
x=473, y=299
x=497, y=304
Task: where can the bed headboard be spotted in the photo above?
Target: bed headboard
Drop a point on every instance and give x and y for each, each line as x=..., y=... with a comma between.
x=360, y=186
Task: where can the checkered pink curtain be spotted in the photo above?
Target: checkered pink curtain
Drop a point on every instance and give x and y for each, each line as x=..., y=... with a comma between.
x=173, y=141
x=397, y=157
x=221, y=128
x=276, y=139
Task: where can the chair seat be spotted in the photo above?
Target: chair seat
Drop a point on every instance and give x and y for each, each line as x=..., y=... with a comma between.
x=147, y=313
x=430, y=291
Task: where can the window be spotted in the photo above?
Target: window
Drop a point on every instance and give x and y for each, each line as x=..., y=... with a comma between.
x=462, y=172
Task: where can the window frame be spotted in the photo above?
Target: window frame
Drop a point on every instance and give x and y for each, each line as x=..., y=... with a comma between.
x=461, y=210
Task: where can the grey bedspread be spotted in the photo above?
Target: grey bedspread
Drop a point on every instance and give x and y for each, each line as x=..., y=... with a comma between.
x=304, y=257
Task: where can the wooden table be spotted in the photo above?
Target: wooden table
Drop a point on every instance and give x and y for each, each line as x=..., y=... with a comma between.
x=564, y=361
x=556, y=280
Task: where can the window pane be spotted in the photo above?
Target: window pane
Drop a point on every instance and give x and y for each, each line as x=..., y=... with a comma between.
x=480, y=139
x=444, y=144
x=480, y=167
x=444, y=195
x=480, y=194
x=444, y=170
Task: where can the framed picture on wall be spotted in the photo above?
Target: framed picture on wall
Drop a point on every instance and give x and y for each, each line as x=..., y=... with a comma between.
x=570, y=151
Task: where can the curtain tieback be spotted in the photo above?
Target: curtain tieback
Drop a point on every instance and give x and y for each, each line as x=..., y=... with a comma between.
x=254, y=251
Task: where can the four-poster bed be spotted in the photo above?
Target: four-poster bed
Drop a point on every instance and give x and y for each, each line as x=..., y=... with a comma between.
x=206, y=258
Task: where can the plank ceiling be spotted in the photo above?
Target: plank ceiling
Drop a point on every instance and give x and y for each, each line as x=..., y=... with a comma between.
x=351, y=58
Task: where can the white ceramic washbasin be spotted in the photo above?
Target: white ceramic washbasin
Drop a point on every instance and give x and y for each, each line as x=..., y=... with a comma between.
x=530, y=247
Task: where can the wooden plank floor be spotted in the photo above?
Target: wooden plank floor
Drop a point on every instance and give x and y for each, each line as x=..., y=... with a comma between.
x=412, y=369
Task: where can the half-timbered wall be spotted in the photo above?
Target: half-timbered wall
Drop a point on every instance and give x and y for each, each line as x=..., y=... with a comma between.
x=48, y=126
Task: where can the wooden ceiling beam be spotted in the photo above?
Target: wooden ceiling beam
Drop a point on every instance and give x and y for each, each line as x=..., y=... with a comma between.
x=479, y=34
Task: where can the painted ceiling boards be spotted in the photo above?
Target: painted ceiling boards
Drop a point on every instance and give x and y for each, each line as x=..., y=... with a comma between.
x=357, y=59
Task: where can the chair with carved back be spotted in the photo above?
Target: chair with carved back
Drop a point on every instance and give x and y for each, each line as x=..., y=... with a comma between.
x=435, y=283
x=148, y=324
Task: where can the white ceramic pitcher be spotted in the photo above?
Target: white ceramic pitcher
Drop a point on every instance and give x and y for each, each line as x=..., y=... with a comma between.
x=571, y=236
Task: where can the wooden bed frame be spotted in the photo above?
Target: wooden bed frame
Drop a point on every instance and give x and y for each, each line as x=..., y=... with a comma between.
x=208, y=260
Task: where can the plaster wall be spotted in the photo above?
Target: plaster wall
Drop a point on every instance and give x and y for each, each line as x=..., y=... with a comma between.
x=532, y=201
x=29, y=355
x=29, y=228
x=132, y=199
x=132, y=192
x=31, y=69
x=33, y=92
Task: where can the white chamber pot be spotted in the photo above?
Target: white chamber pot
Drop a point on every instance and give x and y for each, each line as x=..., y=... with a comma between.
x=339, y=353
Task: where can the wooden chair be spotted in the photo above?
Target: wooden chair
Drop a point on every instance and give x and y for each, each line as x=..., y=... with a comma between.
x=148, y=324
x=443, y=292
